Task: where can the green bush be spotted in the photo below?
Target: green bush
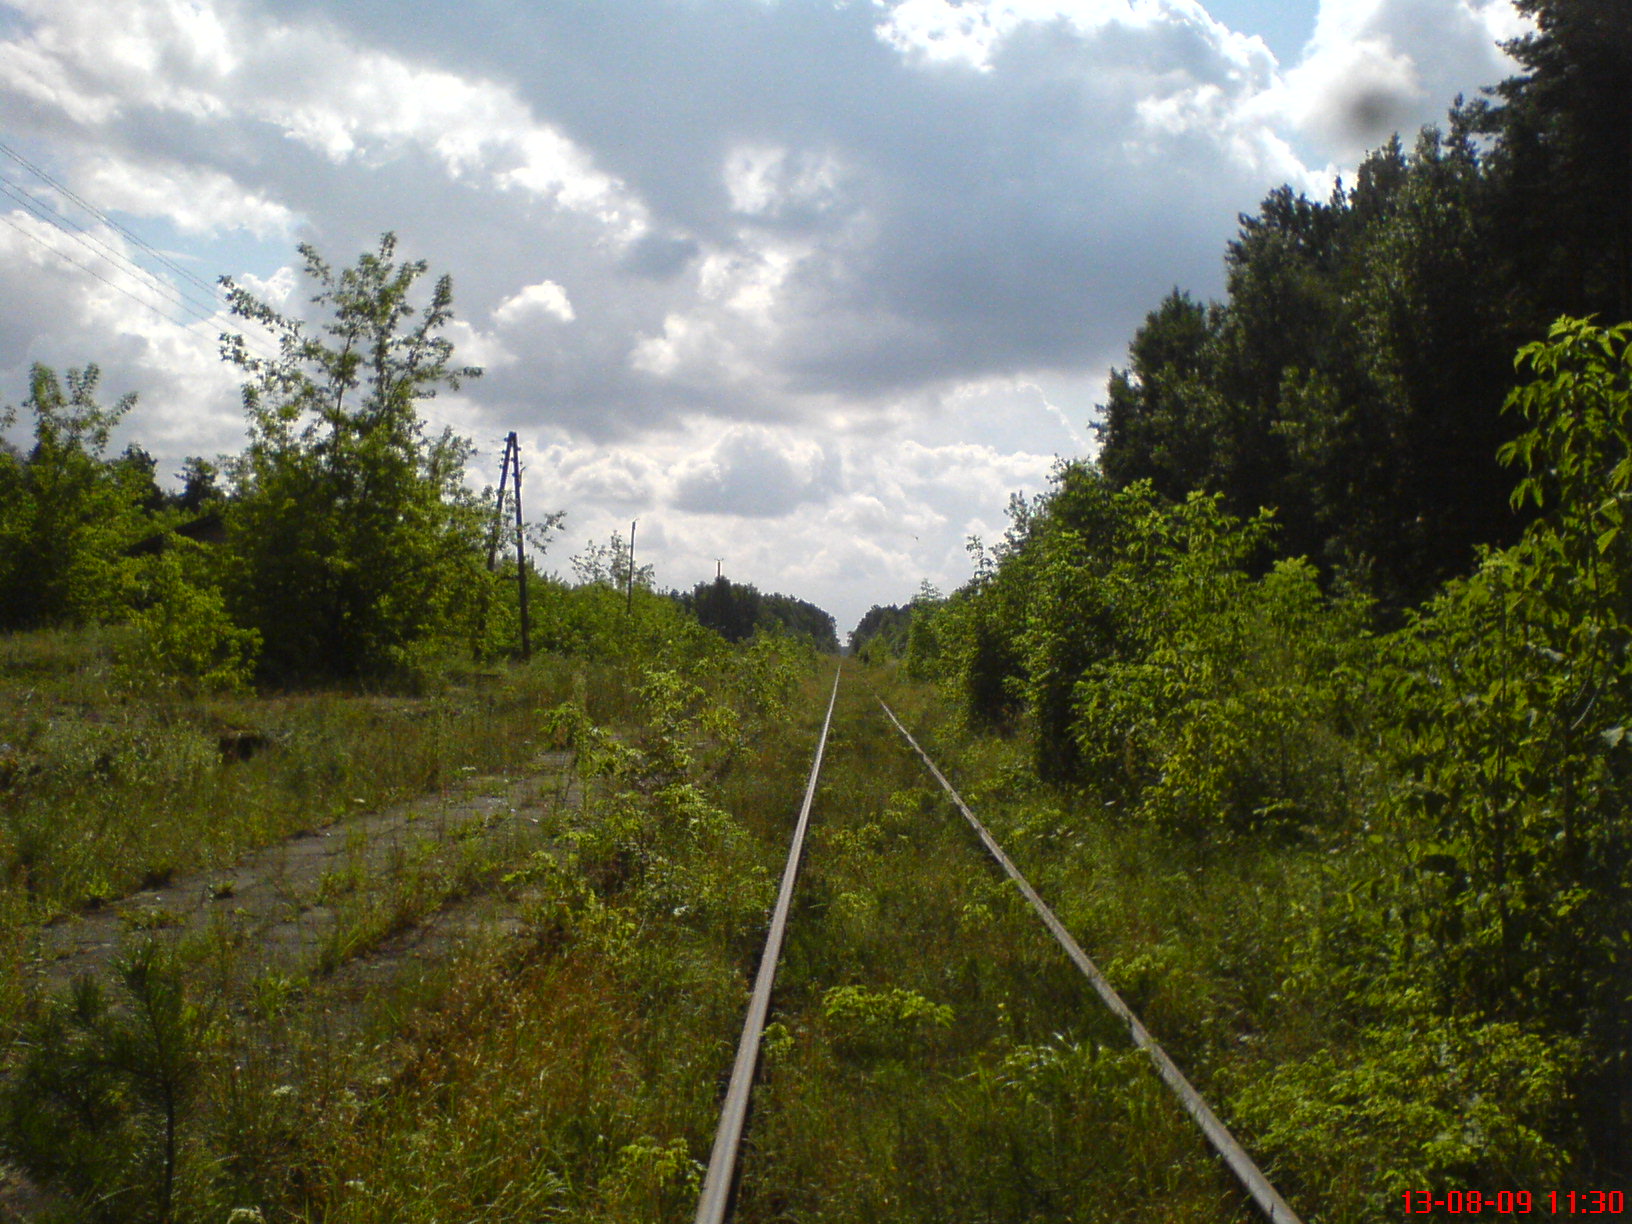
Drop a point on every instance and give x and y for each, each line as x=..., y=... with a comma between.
x=1131, y=642
x=69, y=514
x=184, y=634
x=1513, y=689
x=1426, y=1102
x=881, y=1023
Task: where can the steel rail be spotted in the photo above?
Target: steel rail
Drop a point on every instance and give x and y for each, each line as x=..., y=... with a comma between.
x=1224, y=1143
x=722, y=1162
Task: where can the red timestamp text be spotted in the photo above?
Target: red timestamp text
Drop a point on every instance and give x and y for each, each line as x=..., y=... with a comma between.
x=1516, y=1202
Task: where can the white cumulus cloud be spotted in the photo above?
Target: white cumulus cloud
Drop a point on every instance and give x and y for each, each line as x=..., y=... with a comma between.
x=544, y=298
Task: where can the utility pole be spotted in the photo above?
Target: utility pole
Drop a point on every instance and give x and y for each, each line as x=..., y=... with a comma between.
x=511, y=463
x=521, y=550
x=629, y=602
x=498, y=510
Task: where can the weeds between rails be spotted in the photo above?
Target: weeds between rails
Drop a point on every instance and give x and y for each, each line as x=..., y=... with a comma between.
x=932, y=1055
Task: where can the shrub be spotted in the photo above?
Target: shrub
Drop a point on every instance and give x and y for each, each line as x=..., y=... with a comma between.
x=185, y=635
x=98, y=1104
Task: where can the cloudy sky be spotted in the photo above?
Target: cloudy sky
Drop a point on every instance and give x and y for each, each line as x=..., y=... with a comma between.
x=807, y=285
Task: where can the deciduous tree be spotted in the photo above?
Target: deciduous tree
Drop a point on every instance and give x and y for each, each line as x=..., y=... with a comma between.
x=68, y=513
x=354, y=540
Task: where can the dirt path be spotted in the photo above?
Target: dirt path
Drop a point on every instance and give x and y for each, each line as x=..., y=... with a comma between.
x=356, y=903
x=314, y=901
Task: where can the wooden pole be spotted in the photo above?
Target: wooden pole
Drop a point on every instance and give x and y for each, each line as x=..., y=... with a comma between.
x=498, y=510
x=495, y=533
x=521, y=552
x=629, y=602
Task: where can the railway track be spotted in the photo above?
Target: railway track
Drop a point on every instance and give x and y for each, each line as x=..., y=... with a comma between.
x=717, y=1199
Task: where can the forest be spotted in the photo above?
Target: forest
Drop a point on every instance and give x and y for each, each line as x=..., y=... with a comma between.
x=1306, y=701
x=1350, y=578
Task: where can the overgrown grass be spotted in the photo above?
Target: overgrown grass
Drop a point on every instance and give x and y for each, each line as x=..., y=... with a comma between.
x=572, y=1073
x=104, y=790
x=934, y=1055
x=1250, y=959
x=637, y=917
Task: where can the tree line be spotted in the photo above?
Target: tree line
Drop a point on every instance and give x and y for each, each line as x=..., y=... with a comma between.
x=1353, y=376
x=341, y=543
x=1336, y=587
x=736, y=611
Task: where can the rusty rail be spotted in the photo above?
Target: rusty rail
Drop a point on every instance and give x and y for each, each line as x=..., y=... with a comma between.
x=722, y=1162
x=1224, y=1143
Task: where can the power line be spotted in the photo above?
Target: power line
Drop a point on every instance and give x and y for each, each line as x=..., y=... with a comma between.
x=217, y=305
x=102, y=216
x=104, y=251
x=61, y=254
x=205, y=322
